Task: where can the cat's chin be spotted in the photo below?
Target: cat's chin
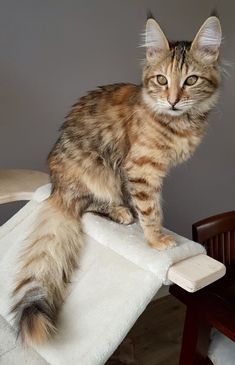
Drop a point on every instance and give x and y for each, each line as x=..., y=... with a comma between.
x=173, y=113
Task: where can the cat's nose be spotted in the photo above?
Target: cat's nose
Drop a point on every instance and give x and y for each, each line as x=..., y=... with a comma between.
x=173, y=102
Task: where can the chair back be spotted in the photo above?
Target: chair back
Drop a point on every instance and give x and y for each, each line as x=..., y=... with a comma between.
x=217, y=234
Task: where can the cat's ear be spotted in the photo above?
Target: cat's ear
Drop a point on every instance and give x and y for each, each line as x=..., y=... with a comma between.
x=155, y=41
x=207, y=41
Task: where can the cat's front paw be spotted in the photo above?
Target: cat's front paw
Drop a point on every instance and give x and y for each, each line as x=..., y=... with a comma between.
x=163, y=242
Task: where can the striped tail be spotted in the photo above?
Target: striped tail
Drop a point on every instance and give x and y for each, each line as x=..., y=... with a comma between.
x=49, y=256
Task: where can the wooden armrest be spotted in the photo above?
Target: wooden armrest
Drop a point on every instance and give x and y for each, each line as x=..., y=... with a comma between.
x=196, y=272
x=20, y=184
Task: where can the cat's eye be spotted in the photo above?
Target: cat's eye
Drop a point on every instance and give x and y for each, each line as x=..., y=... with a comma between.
x=191, y=80
x=162, y=80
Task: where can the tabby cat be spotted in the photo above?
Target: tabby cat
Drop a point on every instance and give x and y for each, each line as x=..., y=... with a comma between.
x=116, y=146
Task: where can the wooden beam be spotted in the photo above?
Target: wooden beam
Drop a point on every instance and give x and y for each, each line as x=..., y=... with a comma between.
x=20, y=184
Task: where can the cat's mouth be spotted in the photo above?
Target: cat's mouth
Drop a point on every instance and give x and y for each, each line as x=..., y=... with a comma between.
x=174, y=111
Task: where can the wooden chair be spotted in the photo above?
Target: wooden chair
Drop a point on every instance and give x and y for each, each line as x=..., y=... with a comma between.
x=213, y=306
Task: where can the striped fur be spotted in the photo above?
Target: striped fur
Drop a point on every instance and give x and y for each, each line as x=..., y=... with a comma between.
x=115, y=148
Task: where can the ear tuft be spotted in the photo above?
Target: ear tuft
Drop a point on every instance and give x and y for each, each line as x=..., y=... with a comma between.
x=215, y=13
x=150, y=14
x=207, y=41
x=155, y=40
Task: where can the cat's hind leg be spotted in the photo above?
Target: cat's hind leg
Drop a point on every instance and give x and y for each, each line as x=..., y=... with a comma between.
x=105, y=186
x=118, y=213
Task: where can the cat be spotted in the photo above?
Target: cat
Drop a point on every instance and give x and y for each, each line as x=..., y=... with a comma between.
x=115, y=148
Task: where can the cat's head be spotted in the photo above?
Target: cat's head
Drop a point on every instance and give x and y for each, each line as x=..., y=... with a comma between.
x=182, y=77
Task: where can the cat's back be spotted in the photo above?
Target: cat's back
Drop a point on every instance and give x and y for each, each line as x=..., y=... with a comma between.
x=98, y=123
x=105, y=106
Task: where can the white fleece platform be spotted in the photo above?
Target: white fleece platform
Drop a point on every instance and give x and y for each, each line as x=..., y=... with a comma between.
x=118, y=276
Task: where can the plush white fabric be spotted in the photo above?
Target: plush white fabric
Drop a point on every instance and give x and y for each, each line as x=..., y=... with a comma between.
x=129, y=242
x=42, y=193
x=221, y=350
x=118, y=276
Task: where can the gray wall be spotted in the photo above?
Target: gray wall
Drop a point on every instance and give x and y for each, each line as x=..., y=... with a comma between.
x=53, y=51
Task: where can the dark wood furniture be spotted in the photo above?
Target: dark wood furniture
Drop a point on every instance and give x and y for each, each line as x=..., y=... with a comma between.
x=213, y=306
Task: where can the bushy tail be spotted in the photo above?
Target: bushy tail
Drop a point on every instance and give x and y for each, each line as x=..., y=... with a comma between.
x=47, y=260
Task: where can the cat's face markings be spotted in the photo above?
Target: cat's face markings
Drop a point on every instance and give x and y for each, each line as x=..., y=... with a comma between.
x=181, y=76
